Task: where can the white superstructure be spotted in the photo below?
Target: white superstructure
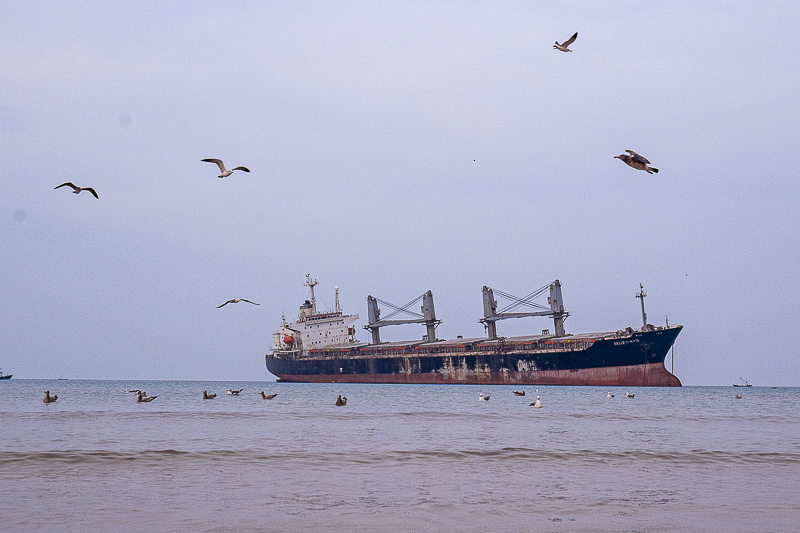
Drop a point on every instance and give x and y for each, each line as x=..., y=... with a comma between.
x=314, y=330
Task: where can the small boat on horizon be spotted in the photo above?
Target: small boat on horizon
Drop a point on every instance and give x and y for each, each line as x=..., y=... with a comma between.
x=744, y=383
x=5, y=376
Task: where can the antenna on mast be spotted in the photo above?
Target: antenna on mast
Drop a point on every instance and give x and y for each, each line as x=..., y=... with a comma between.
x=310, y=283
x=641, y=295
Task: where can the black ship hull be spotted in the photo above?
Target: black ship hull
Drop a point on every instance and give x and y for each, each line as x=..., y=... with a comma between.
x=633, y=360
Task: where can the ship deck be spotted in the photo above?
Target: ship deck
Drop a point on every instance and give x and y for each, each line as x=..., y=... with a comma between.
x=461, y=345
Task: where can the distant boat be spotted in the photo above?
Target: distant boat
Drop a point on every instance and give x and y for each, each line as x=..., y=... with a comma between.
x=5, y=376
x=744, y=383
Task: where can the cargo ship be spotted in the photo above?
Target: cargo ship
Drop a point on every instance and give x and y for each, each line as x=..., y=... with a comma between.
x=321, y=347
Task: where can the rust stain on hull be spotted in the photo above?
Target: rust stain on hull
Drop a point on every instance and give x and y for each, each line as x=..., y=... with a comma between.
x=645, y=375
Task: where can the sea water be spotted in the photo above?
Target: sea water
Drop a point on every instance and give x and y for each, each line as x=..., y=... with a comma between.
x=396, y=458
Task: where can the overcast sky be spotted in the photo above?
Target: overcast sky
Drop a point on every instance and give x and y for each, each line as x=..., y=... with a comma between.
x=395, y=147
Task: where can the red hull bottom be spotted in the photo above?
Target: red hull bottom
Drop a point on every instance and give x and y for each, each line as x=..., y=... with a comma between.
x=647, y=375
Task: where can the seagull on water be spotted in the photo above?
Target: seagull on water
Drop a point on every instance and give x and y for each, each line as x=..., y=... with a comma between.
x=636, y=161
x=48, y=398
x=207, y=396
x=482, y=398
x=519, y=393
x=629, y=395
x=77, y=189
x=537, y=403
x=267, y=396
x=609, y=395
x=234, y=392
x=564, y=47
x=143, y=397
x=224, y=171
x=236, y=301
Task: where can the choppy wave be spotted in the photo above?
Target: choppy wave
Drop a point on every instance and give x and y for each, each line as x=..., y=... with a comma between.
x=587, y=456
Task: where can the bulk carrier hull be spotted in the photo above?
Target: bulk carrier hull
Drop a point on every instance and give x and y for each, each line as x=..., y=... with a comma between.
x=632, y=358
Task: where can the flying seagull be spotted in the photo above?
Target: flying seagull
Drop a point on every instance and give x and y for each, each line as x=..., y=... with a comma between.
x=636, y=161
x=77, y=189
x=225, y=171
x=236, y=301
x=564, y=47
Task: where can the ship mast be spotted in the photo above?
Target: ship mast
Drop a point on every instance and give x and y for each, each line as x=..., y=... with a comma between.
x=428, y=316
x=311, y=283
x=556, y=310
x=641, y=296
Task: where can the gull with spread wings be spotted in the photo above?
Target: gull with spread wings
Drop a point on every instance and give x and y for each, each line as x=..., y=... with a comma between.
x=236, y=301
x=77, y=189
x=225, y=172
x=564, y=47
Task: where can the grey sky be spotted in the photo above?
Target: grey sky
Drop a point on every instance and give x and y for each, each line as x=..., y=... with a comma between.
x=395, y=147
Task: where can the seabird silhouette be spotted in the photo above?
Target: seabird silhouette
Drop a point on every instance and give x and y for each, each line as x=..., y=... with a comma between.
x=341, y=400
x=636, y=161
x=519, y=393
x=48, y=398
x=537, y=403
x=236, y=301
x=234, y=392
x=77, y=189
x=564, y=47
x=737, y=396
x=225, y=172
x=207, y=396
x=267, y=396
